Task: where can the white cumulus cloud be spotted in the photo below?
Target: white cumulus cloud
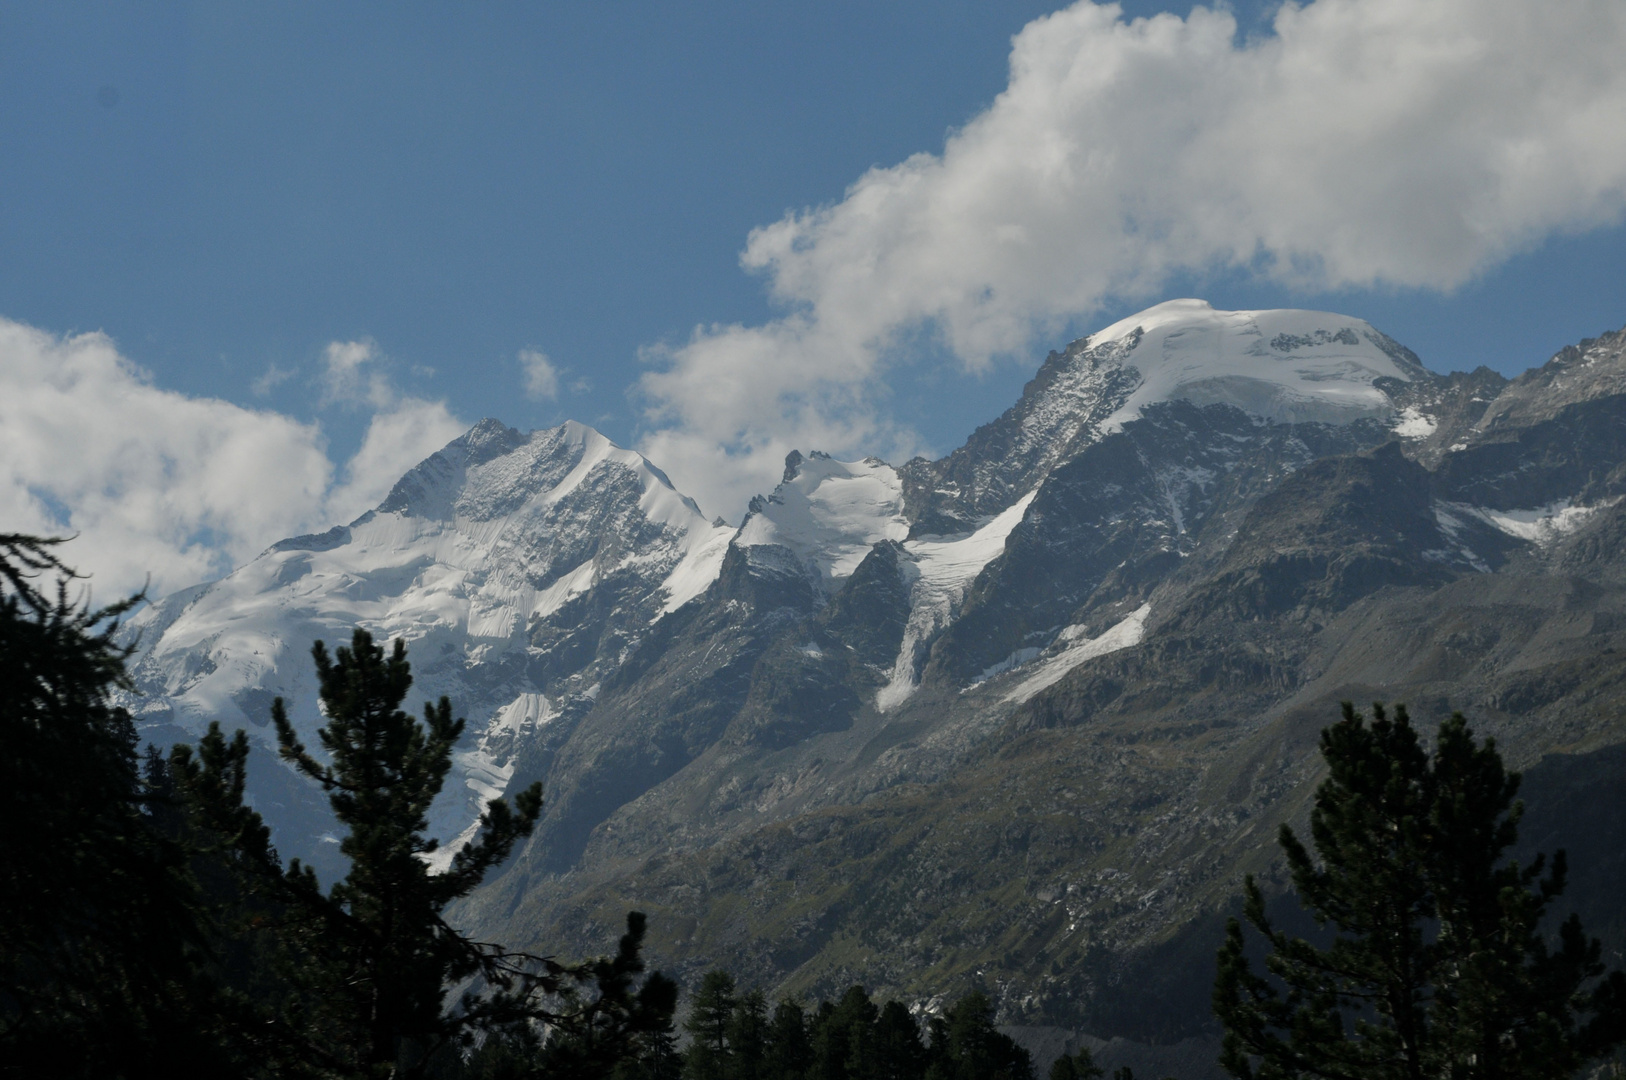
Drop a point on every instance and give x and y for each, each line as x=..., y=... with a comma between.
x=1398, y=143
x=402, y=432
x=541, y=377
x=352, y=375
x=179, y=488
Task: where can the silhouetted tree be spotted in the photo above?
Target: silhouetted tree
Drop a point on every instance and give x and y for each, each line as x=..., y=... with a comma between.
x=1079, y=1066
x=967, y=1046
x=789, y=1049
x=844, y=1037
x=380, y=954
x=898, y=1052
x=367, y=965
x=709, y=1055
x=748, y=1037
x=1438, y=967
x=103, y=957
x=654, y=1055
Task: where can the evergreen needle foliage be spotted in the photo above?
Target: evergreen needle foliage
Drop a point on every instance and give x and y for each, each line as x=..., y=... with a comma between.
x=1438, y=967
x=366, y=967
x=103, y=957
x=382, y=951
x=150, y=928
x=1079, y=1066
x=733, y=1037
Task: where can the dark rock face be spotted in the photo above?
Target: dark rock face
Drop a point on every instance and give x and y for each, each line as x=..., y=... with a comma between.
x=1335, y=531
x=1074, y=391
x=423, y=491
x=869, y=615
x=1112, y=524
x=692, y=676
x=1577, y=452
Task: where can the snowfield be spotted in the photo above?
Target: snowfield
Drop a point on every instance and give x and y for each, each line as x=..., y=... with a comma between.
x=484, y=540
x=830, y=513
x=1287, y=366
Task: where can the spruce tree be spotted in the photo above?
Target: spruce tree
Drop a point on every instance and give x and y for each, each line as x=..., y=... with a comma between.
x=844, y=1037
x=898, y=1052
x=591, y=1033
x=380, y=951
x=621, y=1029
x=1437, y=966
x=654, y=1055
x=364, y=969
x=748, y=1037
x=967, y=1046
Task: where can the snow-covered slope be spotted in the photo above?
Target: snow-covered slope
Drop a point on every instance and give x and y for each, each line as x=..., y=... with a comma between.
x=524, y=570
x=519, y=568
x=1284, y=366
x=829, y=513
x=939, y=571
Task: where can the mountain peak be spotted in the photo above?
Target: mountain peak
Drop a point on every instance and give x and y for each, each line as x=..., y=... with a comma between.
x=1284, y=365
x=520, y=567
x=829, y=512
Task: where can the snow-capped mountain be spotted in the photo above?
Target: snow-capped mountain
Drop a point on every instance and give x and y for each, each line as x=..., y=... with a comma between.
x=522, y=570
x=1279, y=367
x=1028, y=729
x=518, y=569
x=1282, y=366
x=1016, y=714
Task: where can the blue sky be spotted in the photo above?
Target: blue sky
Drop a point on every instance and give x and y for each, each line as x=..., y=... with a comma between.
x=325, y=215
x=457, y=186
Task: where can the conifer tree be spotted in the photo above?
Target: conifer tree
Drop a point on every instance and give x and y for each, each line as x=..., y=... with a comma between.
x=380, y=952
x=1079, y=1066
x=844, y=1037
x=1438, y=967
x=748, y=1037
x=898, y=1052
x=102, y=949
x=590, y=1035
x=789, y=1049
x=622, y=1030
x=366, y=967
x=654, y=1055
x=967, y=1046
x=710, y=1056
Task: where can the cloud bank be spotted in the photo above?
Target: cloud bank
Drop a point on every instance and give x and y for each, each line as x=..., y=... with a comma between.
x=177, y=487
x=1401, y=143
